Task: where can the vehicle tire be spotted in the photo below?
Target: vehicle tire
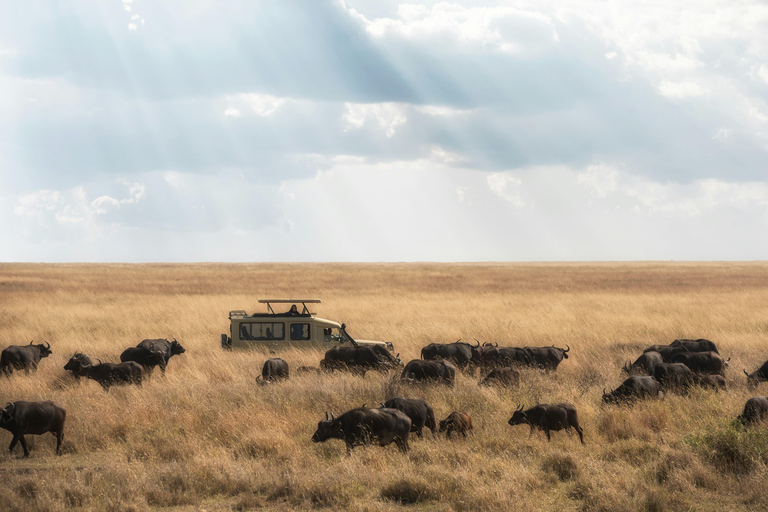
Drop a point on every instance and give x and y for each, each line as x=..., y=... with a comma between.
x=226, y=342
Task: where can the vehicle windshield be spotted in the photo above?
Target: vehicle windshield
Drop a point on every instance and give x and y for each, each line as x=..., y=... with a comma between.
x=334, y=334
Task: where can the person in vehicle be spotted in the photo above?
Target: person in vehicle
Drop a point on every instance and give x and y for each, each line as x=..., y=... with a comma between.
x=294, y=311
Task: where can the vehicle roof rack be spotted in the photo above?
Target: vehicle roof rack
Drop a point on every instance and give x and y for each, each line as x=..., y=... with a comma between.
x=286, y=301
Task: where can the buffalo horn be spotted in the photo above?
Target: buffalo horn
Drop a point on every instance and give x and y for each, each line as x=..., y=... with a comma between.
x=332, y=416
x=568, y=348
x=9, y=408
x=604, y=393
x=745, y=373
x=478, y=342
x=496, y=344
x=174, y=339
x=99, y=360
x=458, y=340
x=326, y=415
x=48, y=345
x=31, y=342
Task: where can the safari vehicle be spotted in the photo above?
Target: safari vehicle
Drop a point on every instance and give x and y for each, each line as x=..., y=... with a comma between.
x=294, y=328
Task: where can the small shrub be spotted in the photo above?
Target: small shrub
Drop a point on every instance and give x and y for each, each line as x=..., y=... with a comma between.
x=562, y=466
x=732, y=449
x=408, y=492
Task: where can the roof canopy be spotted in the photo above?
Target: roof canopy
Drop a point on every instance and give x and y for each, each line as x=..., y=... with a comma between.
x=286, y=301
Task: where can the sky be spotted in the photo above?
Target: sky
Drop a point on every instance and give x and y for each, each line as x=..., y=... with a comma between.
x=378, y=130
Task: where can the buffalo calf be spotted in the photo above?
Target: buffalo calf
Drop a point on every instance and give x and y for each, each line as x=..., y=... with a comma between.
x=458, y=422
x=755, y=410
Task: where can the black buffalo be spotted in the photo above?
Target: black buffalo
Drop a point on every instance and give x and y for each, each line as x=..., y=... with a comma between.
x=498, y=357
x=419, y=370
x=546, y=358
x=458, y=422
x=673, y=375
x=417, y=409
x=756, y=409
x=702, y=362
x=168, y=349
x=26, y=357
x=108, y=374
x=358, y=359
x=274, y=369
x=148, y=358
x=644, y=363
x=758, y=376
x=637, y=386
x=76, y=362
x=506, y=376
x=667, y=352
x=548, y=417
x=699, y=345
x=36, y=418
x=362, y=426
x=459, y=353
x=716, y=382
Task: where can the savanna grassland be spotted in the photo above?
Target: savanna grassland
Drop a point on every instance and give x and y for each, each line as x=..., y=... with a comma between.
x=206, y=436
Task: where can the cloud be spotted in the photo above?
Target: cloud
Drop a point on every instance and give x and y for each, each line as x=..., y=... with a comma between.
x=682, y=90
x=387, y=115
x=506, y=186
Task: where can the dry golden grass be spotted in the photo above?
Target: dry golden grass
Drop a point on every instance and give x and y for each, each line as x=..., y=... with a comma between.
x=207, y=436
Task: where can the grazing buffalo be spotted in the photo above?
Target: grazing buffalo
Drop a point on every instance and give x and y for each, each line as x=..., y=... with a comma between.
x=26, y=357
x=36, y=418
x=758, y=376
x=637, y=386
x=756, y=409
x=459, y=353
x=458, y=422
x=546, y=358
x=700, y=345
x=673, y=375
x=644, y=363
x=702, y=362
x=716, y=382
x=168, y=349
x=417, y=409
x=419, y=370
x=148, y=358
x=501, y=377
x=362, y=426
x=358, y=359
x=548, y=417
x=76, y=362
x=274, y=369
x=667, y=352
x=107, y=374
x=499, y=357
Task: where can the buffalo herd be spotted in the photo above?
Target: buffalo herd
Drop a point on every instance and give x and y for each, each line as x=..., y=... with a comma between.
x=660, y=369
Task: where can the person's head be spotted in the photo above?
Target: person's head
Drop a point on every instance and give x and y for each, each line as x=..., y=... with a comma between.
x=294, y=309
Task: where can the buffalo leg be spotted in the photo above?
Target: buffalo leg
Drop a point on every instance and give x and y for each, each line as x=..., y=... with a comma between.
x=402, y=443
x=59, y=439
x=580, y=432
x=546, y=431
x=14, y=441
x=24, y=446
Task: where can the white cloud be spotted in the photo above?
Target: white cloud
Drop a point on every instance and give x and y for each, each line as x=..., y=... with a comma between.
x=601, y=180
x=682, y=90
x=722, y=134
x=232, y=112
x=260, y=104
x=442, y=111
x=387, y=115
x=506, y=186
x=504, y=29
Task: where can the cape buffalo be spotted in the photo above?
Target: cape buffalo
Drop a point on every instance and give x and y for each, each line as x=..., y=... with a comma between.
x=548, y=417
x=417, y=409
x=26, y=357
x=458, y=422
x=637, y=386
x=148, y=358
x=756, y=409
x=274, y=369
x=419, y=370
x=758, y=376
x=699, y=345
x=36, y=418
x=673, y=375
x=458, y=353
x=667, y=352
x=358, y=359
x=716, y=382
x=76, y=362
x=501, y=377
x=643, y=364
x=168, y=349
x=107, y=374
x=546, y=358
x=362, y=426
x=496, y=357
x=702, y=362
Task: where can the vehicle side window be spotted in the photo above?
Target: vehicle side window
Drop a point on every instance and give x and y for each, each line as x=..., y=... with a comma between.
x=262, y=331
x=299, y=331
